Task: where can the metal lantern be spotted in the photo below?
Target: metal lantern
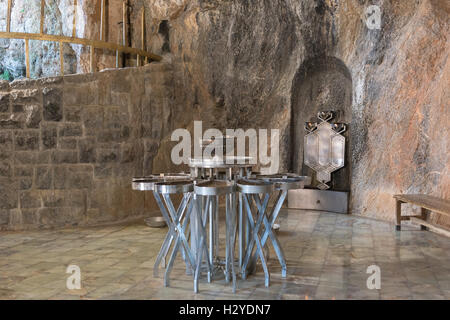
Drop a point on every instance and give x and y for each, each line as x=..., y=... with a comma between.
x=324, y=147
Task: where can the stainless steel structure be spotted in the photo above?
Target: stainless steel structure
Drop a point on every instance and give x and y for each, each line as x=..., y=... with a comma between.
x=208, y=192
x=323, y=200
x=324, y=147
x=197, y=217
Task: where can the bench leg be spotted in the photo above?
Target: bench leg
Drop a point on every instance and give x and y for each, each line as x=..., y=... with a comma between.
x=423, y=217
x=398, y=213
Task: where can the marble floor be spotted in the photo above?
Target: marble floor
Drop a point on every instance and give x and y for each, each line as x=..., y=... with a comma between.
x=328, y=256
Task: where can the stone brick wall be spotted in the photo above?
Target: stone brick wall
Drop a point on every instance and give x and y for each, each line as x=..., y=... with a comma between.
x=70, y=145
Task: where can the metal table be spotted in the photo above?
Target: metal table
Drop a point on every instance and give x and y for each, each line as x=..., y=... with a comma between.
x=227, y=168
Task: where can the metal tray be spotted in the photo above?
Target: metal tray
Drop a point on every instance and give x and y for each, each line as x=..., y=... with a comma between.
x=214, y=187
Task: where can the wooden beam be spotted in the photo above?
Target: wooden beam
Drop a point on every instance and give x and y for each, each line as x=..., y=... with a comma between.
x=8, y=17
x=74, y=22
x=124, y=23
x=27, y=57
x=102, y=20
x=61, y=57
x=433, y=227
x=143, y=28
x=42, y=17
x=91, y=60
x=86, y=42
x=143, y=31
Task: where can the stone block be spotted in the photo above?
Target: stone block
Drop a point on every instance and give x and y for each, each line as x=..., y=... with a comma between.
x=59, y=177
x=75, y=198
x=54, y=198
x=26, y=96
x=70, y=130
x=120, y=99
x=4, y=102
x=47, y=216
x=6, y=141
x=49, y=135
x=94, y=215
x=80, y=178
x=33, y=116
x=76, y=177
x=92, y=118
x=127, y=153
x=84, y=94
x=26, y=140
x=31, y=157
x=23, y=171
x=120, y=83
x=87, y=150
x=8, y=194
x=44, y=178
x=11, y=121
x=107, y=155
x=106, y=136
x=60, y=216
x=72, y=113
x=67, y=143
x=18, y=108
x=112, y=118
x=64, y=156
x=103, y=171
x=4, y=85
x=15, y=219
x=30, y=199
x=30, y=216
x=25, y=183
x=4, y=217
x=52, y=99
x=5, y=169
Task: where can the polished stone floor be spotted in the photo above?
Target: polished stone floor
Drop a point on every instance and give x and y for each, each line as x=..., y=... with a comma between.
x=328, y=256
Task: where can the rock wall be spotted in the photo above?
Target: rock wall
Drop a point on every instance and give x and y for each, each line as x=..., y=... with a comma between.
x=241, y=62
x=70, y=145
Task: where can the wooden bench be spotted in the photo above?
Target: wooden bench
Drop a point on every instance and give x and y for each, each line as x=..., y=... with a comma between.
x=427, y=204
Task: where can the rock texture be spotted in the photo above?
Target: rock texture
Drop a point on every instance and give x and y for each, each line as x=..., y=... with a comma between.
x=273, y=64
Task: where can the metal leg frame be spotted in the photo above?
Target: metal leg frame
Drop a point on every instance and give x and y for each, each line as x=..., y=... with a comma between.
x=202, y=248
x=268, y=233
x=170, y=234
x=178, y=231
x=255, y=227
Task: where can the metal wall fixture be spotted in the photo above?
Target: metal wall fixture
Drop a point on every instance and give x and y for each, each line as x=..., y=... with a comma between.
x=324, y=147
x=93, y=44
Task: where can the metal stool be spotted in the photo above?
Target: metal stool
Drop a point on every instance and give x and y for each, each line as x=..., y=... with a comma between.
x=253, y=189
x=283, y=183
x=147, y=183
x=209, y=191
x=177, y=221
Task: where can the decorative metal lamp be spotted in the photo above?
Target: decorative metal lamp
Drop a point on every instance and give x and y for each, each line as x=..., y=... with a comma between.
x=324, y=147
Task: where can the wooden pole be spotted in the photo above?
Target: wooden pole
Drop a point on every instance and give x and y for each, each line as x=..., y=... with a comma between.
x=124, y=24
x=74, y=25
x=27, y=57
x=8, y=17
x=124, y=30
x=61, y=57
x=117, y=51
x=143, y=30
x=92, y=58
x=102, y=21
x=42, y=16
